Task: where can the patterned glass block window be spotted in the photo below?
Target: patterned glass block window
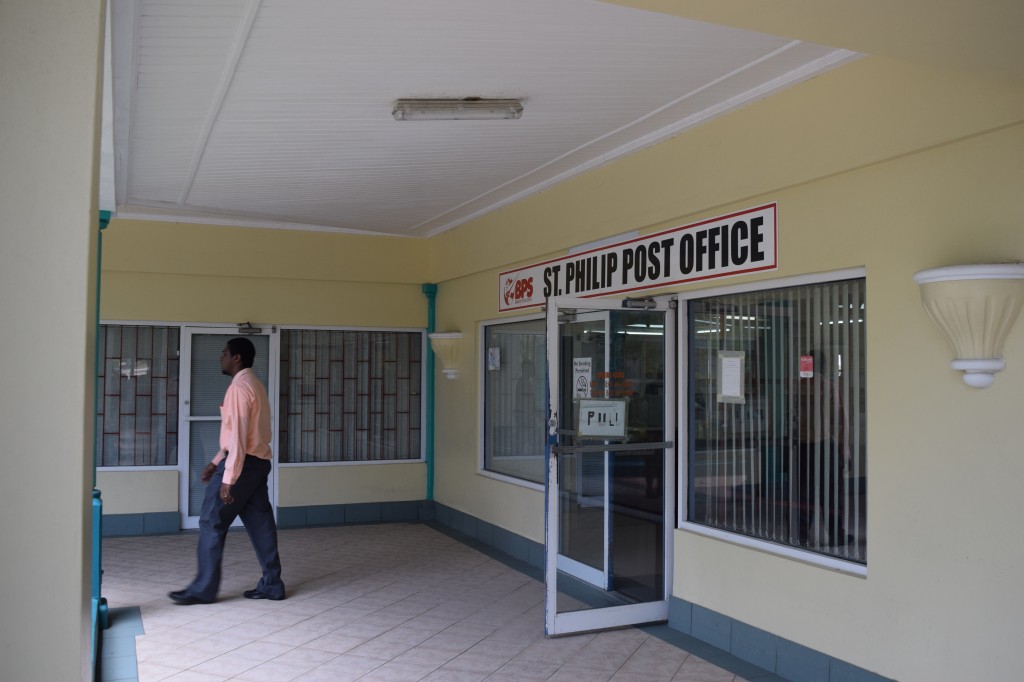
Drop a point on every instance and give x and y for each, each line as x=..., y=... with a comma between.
x=350, y=396
x=137, y=405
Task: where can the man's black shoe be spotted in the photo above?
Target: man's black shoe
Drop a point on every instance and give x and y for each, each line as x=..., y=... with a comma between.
x=183, y=598
x=257, y=594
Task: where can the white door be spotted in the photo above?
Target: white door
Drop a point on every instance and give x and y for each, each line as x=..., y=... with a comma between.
x=201, y=394
x=611, y=464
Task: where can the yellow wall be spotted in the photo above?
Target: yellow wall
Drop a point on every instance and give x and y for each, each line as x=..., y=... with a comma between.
x=879, y=165
x=49, y=139
x=860, y=114
x=462, y=304
x=177, y=272
x=350, y=484
x=138, y=492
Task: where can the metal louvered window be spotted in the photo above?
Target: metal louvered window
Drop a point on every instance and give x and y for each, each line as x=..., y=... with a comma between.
x=350, y=396
x=777, y=415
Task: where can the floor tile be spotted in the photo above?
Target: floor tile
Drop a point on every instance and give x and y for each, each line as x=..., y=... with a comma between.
x=448, y=675
x=398, y=672
x=568, y=673
x=476, y=663
x=272, y=671
x=192, y=676
x=525, y=670
x=425, y=656
x=336, y=643
x=378, y=648
x=155, y=672
x=306, y=657
x=377, y=602
x=351, y=667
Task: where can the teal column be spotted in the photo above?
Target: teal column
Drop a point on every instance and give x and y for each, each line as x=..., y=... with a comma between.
x=104, y=221
x=99, y=604
x=430, y=291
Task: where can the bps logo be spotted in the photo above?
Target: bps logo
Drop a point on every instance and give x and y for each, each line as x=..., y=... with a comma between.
x=518, y=289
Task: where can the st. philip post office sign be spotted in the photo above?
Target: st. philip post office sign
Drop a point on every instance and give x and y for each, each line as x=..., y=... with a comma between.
x=733, y=244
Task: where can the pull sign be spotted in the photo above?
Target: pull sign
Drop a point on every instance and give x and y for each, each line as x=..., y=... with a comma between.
x=602, y=418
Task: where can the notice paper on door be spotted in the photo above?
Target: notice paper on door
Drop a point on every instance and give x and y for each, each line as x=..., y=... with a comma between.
x=582, y=376
x=730, y=376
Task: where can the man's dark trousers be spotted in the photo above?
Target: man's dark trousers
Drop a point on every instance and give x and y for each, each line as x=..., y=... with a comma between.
x=252, y=504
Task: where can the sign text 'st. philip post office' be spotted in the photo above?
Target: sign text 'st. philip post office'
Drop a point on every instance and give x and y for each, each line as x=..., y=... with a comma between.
x=733, y=244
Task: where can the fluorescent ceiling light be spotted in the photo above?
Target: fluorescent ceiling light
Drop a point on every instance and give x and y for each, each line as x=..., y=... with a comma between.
x=469, y=109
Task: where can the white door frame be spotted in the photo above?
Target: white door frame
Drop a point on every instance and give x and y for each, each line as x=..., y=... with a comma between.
x=184, y=418
x=613, y=616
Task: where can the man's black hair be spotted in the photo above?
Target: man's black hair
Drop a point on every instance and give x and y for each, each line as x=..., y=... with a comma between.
x=243, y=346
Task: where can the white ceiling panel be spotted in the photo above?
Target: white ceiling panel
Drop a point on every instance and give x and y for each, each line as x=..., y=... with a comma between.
x=278, y=113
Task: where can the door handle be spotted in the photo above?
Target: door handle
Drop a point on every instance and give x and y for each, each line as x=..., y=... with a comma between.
x=612, y=447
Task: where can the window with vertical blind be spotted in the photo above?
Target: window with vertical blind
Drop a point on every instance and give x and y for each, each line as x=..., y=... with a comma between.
x=777, y=416
x=350, y=396
x=137, y=396
x=514, y=399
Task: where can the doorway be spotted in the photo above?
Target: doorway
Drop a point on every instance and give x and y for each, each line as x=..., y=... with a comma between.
x=611, y=463
x=200, y=395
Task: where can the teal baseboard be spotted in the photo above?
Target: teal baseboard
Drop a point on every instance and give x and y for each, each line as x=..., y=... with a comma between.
x=148, y=523
x=495, y=537
x=366, y=512
x=787, y=659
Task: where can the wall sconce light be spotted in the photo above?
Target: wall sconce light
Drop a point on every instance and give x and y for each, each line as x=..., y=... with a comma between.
x=975, y=306
x=446, y=347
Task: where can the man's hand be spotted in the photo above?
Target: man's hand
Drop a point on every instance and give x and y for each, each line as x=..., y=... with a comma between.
x=225, y=493
x=208, y=471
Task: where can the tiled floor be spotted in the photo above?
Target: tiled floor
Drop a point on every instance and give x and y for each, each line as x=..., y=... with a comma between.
x=374, y=602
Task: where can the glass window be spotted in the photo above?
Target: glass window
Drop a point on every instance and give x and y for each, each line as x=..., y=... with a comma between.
x=777, y=416
x=350, y=396
x=514, y=399
x=137, y=396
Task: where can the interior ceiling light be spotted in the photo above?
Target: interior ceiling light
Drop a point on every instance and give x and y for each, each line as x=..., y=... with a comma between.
x=468, y=109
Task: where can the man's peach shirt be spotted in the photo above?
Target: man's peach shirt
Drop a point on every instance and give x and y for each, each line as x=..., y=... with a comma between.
x=245, y=424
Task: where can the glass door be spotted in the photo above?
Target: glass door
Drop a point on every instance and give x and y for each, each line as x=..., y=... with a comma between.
x=610, y=464
x=583, y=548
x=202, y=391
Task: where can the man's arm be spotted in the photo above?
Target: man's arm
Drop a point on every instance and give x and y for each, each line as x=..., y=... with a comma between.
x=208, y=471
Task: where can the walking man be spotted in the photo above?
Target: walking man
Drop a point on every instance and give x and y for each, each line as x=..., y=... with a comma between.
x=237, y=484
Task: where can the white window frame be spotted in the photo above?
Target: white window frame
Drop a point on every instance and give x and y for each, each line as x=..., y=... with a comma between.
x=482, y=407
x=683, y=426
